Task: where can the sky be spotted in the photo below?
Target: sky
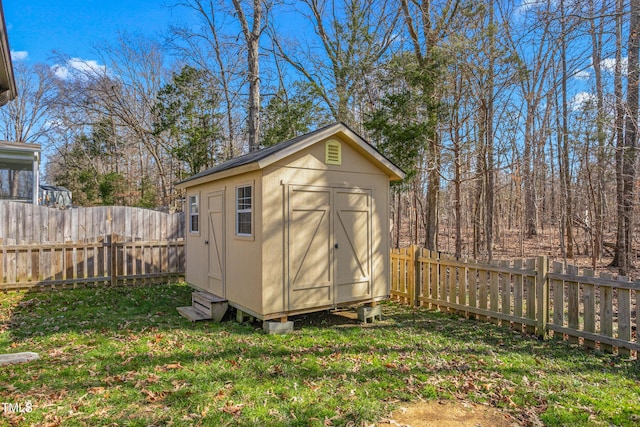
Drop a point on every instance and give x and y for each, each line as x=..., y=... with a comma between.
x=37, y=28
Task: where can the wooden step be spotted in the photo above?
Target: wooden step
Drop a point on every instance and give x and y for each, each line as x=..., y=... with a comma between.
x=207, y=305
x=193, y=314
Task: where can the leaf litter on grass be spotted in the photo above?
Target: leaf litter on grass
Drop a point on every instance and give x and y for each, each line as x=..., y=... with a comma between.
x=114, y=367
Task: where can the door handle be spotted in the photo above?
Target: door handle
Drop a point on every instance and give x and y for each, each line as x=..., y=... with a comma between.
x=206, y=242
x=335, y=246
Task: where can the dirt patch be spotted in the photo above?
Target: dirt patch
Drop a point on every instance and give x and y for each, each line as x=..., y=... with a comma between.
x=448, y=413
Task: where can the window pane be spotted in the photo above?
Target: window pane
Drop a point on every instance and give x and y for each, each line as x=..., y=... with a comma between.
x=194, y=208
x=243, y=210
x=244, y=222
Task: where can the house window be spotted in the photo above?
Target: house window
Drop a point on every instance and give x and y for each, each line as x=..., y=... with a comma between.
x=243, y=211
x=194, y=214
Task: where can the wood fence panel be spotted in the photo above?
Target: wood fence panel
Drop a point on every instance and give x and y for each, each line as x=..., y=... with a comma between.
x=453, y=284
x=624, y=317
x=442, y=292
x=482, y=292
x=558, y=295
x=530, y=289
x=426, y=276
x=494, y=292
x=472, y=281
x=518, y=294
x=606, y=312
x=573, y=304
x=505, y=289
x=435, y=278
x=463, y=286
x=24, y=223
x=582, y=306
x=589, y=308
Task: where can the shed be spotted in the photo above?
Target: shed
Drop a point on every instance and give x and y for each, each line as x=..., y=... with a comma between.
x=297, y=227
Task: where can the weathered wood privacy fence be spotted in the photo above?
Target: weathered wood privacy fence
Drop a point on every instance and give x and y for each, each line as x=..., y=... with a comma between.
x=43, y=247
x=22, y=223
x=524, y=295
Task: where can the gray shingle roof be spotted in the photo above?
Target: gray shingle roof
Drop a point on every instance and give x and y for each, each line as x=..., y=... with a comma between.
x=253, y=156
x=258, y=155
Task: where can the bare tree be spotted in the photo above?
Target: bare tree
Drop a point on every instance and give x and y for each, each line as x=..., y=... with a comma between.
x=351, y=36
x=252, y=32
x=25, y=118
x=627, y=158
x=124, y=90
x=208, y=47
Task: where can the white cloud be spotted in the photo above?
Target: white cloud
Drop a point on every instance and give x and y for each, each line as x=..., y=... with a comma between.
x=61, y=72
x=609, y=65
x=78, y=68
x=581, y=99
x=19, y=55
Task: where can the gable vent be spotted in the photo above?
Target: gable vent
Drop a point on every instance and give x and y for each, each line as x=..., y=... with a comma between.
x=333, y=152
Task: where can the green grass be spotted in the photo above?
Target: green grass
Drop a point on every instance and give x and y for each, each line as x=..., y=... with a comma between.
x=123, y=356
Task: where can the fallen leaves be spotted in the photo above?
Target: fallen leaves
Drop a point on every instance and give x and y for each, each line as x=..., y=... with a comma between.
x=232, y=409
x=168, y=367
x=154, y=396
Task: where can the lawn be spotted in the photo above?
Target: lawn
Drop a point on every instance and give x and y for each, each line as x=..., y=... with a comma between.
x=123, y=356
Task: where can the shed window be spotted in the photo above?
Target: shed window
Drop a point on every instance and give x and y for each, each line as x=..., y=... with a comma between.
x=194, y=214
x=243, y=211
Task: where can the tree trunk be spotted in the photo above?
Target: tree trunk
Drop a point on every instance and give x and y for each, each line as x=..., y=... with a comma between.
x=599, y=196
x=530, y=219
x=565, y=171
x=252, y=38
x=488, y=124
x=626, y=168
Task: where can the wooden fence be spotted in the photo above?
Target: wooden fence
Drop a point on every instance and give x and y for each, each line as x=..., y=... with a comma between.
x=44, y=247
x=525, y=295
x=25, y=223
x=111, y=261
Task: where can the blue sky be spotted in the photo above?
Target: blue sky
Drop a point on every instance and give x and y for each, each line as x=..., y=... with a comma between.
x=38, y=27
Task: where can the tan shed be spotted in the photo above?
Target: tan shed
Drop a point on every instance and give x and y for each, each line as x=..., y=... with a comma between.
x=297, y=227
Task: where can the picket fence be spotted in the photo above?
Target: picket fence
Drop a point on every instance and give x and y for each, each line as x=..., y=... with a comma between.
x=41, y=247
x=529, y=296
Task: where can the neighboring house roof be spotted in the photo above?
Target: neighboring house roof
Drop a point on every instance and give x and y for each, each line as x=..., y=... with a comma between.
x=262, y=158
x=18, y=155
x=8, y=90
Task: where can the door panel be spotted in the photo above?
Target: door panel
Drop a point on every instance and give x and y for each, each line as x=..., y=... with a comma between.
x=352, y=233
x=329, y=246
x=215, y=208
x=310, y=258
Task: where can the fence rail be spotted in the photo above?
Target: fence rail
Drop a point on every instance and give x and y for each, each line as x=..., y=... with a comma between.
x=111, y=261
x=598, y=312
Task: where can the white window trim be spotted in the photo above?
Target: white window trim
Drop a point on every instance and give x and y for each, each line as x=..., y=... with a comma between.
x=239, y=211
x=192, y=214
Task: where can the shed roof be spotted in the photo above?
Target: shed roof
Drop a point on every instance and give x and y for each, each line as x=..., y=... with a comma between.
x=264, y=157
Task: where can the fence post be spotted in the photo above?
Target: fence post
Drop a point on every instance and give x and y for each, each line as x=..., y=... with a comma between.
x=411, y=274
x=542, y=290
x=113, y=262
x=416, y=252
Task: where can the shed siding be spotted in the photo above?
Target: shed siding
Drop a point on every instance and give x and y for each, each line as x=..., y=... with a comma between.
x=256, y=267
x=308, y=168
x=242, y=256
